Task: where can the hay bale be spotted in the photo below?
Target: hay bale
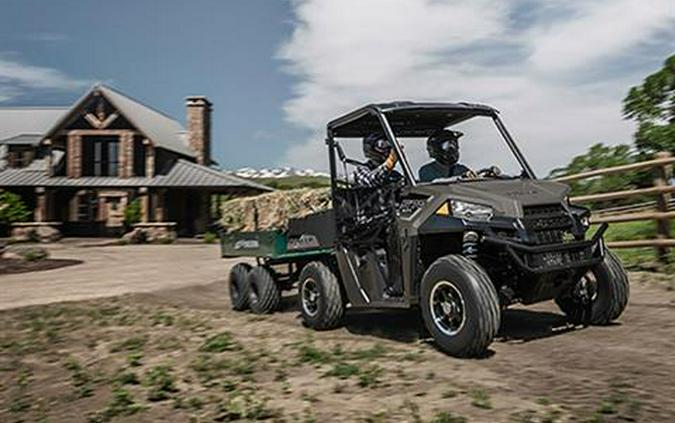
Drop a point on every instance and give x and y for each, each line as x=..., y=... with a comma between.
x=272, y=210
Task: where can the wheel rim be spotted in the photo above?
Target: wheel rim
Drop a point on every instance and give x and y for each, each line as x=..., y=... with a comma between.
x=586, y=290
x=310, y=297
x=447, y=308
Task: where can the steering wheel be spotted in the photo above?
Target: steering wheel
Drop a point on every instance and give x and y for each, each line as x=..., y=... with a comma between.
x=489, y=172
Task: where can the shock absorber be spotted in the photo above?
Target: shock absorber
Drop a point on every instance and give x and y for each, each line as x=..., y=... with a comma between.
x=470, y=245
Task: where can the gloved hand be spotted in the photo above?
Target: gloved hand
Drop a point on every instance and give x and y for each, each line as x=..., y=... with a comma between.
x=391, y=160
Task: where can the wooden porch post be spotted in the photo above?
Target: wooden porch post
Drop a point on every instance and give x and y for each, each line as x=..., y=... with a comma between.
x=145, y=204
x=661, y=179
x=160, y=206
x=40, y=204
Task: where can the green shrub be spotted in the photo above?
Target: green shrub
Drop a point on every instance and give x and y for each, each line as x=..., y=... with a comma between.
x=210, y=238
x=132, y=213
x=12, y=208
x=34, y=254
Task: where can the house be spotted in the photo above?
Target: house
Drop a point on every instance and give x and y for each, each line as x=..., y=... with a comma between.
x=79, y=167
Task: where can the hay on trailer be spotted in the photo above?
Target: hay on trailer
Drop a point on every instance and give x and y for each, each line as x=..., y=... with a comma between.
x=272, y=210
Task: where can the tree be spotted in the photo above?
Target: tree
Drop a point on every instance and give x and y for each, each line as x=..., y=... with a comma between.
x=600, y=156
x=652, y=106
x=12, y=208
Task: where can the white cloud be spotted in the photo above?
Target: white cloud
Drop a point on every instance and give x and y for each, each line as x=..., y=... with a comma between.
x=537, y=71
x=17, y=77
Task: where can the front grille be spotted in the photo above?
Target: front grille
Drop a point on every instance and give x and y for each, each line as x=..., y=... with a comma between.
x=547, y=224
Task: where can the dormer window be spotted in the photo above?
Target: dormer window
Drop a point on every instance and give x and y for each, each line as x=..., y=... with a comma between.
x=101, y=156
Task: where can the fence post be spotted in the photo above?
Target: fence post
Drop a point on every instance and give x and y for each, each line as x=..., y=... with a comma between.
x=662, y=176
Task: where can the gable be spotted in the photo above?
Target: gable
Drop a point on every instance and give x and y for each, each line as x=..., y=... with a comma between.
x=104, y=108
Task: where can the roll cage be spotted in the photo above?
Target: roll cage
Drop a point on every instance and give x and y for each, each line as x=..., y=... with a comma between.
x=409, y=119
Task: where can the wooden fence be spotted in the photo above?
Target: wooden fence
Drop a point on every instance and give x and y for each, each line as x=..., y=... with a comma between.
x=662, y=166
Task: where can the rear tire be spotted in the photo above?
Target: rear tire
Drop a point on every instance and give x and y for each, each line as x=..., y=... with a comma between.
x=459, y=306
x=609, y=293
x=238, y=286
x=264, y=295
x=319, y=296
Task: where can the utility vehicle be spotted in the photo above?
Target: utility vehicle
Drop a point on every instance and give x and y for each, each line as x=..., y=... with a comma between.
x=462, y=249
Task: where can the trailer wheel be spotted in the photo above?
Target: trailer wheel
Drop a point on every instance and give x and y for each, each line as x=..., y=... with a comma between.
x=319, y=295
x=600, y=296
x=459, y=305
x=238, y=286
x=264, y=295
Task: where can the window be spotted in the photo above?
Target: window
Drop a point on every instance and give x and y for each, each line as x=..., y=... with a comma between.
x=101, y=156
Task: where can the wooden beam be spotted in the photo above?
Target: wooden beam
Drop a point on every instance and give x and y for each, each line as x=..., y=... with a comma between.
x=632, y=217
x=642, y=243
x=622, y=194
x=617, y=169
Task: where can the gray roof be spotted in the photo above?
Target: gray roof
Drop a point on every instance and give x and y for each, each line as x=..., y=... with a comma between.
x=18, y=121
x=161, y=129
x=183, y=174
x=22, y=139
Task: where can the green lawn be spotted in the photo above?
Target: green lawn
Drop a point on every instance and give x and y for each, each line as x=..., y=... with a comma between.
x=635, y=258
x=293, y=182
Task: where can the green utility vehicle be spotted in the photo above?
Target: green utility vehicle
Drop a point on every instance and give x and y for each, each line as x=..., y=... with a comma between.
x=461, y=248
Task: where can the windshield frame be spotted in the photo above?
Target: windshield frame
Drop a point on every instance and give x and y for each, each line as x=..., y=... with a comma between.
x=386, y=127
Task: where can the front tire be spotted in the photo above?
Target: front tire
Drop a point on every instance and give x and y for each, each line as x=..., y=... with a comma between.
x=238, y=286
x=264, y=295
x=321, y=304
x=600, y=296
x=459, y=305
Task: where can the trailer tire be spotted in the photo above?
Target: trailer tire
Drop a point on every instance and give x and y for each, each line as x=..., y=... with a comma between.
x=319, y=297
x=264, y=295
x=611, y=293
x=238, y=286
x=460, y=306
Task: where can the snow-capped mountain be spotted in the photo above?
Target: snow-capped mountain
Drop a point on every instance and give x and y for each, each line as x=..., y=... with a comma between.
x=282, y=172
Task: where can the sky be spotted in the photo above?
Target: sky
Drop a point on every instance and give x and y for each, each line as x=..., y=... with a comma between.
x=278, y=70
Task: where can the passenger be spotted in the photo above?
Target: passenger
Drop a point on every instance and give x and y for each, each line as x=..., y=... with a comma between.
x=443, y=148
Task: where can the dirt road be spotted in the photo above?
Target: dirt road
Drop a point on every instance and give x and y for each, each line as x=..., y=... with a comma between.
x=64, y=362
x=626, y=369
x=113, y=270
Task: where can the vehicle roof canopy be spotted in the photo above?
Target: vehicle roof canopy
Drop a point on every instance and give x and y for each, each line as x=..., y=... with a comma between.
x=407, y=119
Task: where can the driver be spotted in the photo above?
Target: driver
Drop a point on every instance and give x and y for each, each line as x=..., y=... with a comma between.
x=378, y=172
x=443, y=148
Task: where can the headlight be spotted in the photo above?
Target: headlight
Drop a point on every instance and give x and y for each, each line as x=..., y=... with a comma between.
x=470, y=211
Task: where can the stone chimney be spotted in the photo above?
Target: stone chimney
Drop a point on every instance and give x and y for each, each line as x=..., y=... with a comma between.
x=199, y=127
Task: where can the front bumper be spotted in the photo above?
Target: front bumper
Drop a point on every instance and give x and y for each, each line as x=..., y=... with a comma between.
x=554, y=257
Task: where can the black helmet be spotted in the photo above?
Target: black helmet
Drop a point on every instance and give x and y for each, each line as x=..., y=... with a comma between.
x=376, y=147
x=443, y=147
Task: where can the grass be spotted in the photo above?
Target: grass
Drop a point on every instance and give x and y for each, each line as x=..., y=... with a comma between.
x=121, y=404
x=161, y=383
x=343, y=371
x=480, y=399
x=219, y=343
x=293, y=182
x=635, y=258
x=135, y=343
x=447, y=417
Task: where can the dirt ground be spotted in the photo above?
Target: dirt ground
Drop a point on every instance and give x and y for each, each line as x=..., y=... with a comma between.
x=180, y=354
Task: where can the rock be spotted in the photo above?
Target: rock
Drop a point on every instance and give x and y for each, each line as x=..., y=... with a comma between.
x=46, y=234
x=135, y=236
